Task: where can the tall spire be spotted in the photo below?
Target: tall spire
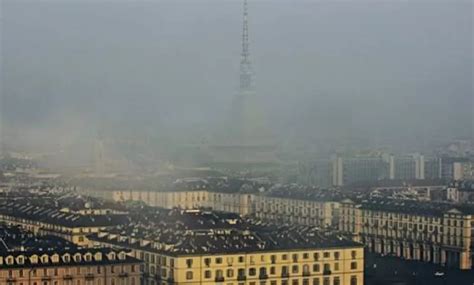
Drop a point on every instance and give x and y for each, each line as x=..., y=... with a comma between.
x=245, y=65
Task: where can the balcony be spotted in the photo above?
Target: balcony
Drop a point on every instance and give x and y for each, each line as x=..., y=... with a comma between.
x=123, y=275
x=327, y=272
x=306, y=273
x=67, y=277
x=285, y=275
x=219, y=279
x=263, y=276
x=89, y=276
x=45, y=278
x=11, y=279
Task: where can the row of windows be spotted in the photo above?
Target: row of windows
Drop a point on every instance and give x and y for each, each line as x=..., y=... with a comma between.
x=55, y=271
x=295, y=269
x=306, y=281
x=273, y=258
x=111, y=281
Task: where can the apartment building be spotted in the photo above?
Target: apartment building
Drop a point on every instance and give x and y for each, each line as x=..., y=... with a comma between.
x=439, y=233
x=233, y=251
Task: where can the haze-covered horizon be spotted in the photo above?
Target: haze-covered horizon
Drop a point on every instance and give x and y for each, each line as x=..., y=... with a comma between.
x=394, y=72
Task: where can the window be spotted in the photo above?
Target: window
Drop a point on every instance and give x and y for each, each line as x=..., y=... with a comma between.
x=316, y=256
x=295, y=257
x=336, y=281
x=207, y=274
x=252, y=271
x=327, y=267
x=189, y=275
x=326, y=281
x=316, y=267
x=284, y=257
x=353, y=254
x=262, y=271
x=273, y=259
x=230, y=273
x=294, y=282
x=353, y=280
x=336, y=255
x=326, y=254
x=316, y=281
x=241, y=272
x=219, y=260
x=219, y=274
x=272, y=270
x=241, y=259
x=306, y=281
x=353, y=265
x=294, y=269
x=189, y=263
x=207, y=261
x=336, y=266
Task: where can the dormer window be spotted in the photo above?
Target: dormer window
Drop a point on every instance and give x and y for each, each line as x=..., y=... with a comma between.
x=10, y=260
x=88, y=257
x=122, y=255
x=45, y=258
x=20, y=259
x=112, y=255
x=66, y=258
x=98, y=256
x=34, y=259
x=77, y=257
x=55, y=258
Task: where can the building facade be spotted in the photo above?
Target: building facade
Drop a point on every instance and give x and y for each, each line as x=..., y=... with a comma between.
x=69, y=267
x=431, y=232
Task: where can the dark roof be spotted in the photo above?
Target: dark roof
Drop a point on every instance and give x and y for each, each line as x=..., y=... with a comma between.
x=20, y=209
x=175, y=232
x=416, y=207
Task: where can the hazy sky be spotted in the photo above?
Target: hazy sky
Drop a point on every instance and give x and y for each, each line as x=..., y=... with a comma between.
x=380, y=70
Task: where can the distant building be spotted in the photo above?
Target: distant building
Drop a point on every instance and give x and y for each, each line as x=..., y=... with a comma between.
x=351, y=169
x=286, y=203
x=316, y=172
x=439, y=233
x=461, y=191
x=407, y=167
x=456, y=168
x=246, y=144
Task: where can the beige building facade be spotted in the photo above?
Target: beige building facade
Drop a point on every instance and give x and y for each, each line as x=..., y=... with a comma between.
x=307, y=266
x=411, y=231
